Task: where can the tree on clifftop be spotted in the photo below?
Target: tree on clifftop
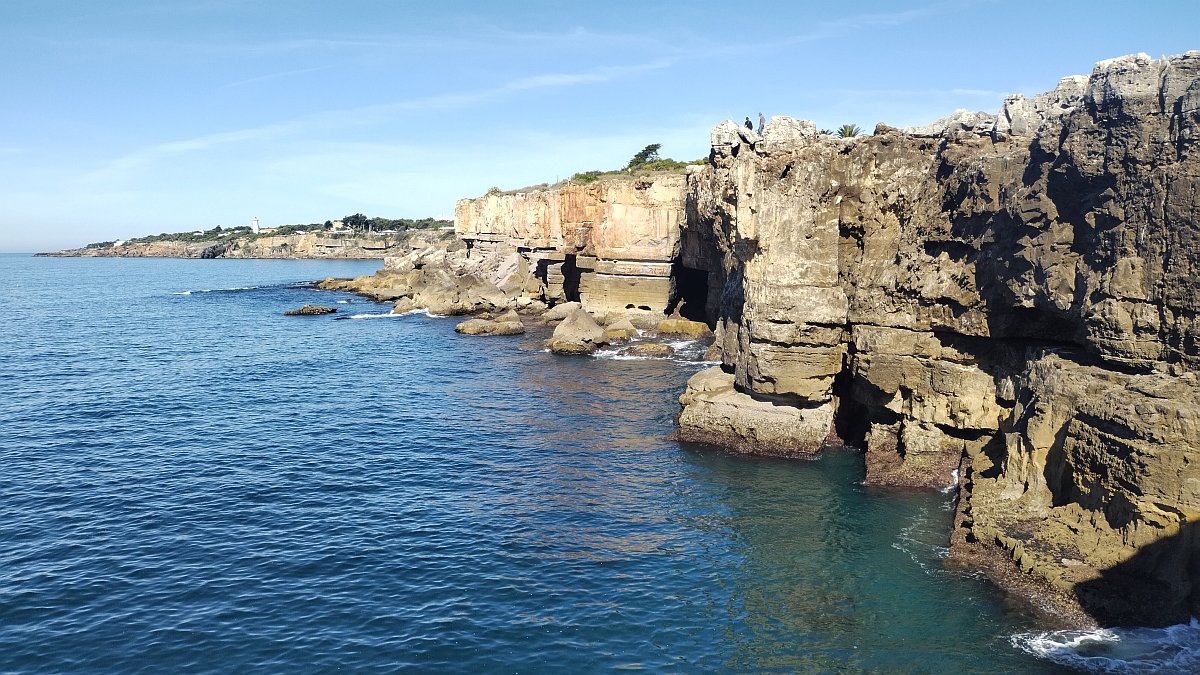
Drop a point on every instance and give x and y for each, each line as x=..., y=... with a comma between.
x=644, y=156
x=356, y=222
x=849, y=130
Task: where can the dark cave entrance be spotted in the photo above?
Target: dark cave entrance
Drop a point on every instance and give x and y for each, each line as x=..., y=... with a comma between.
x=690, y=293
x=570, y=273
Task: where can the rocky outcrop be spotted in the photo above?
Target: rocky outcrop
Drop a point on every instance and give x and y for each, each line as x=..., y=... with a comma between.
x=435, y=274
x=1014, y=296
x=310, y=310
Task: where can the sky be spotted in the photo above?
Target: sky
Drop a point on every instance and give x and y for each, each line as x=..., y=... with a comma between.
x=121, y=119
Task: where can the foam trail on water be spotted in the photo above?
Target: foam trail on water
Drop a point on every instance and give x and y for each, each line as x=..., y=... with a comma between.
x=390, y=315
x=231, y=290
x=1174, y=649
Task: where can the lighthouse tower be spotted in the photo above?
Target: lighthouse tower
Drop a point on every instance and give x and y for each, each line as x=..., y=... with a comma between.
x=254, y=225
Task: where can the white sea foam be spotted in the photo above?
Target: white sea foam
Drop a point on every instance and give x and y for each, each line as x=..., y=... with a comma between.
x=914, y=541
x=1174, y=649
x=953, y=483
x=389, y=315
x=218, y=290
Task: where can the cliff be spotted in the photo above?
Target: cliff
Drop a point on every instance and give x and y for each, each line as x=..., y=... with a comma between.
x=1003, y=302
x=1013, y=294
x=303, y=245
x=610, y=244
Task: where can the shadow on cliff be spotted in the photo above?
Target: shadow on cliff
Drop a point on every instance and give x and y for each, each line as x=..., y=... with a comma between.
x=1158, y=586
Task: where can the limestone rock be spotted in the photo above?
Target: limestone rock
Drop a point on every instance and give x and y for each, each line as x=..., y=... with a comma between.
x=502, y=326
x=560, y=311
x=715, y=412
x=621, y=330
x=652, y=350
x=577, y=334
x=676, y=326
x=1017, y=302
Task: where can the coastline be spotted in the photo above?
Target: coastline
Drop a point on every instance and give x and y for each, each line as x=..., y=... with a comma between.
x=938, y=297
x=299, y=246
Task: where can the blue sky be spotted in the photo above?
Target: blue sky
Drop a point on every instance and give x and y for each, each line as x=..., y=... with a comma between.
x=144, y=116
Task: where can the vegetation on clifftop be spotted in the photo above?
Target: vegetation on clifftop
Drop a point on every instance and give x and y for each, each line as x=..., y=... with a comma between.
x=354, y=225
x=644, y=161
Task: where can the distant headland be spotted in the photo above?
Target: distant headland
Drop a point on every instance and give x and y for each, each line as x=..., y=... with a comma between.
x=352, y=237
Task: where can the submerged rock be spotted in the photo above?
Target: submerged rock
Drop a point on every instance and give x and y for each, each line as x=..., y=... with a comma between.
x=310, y=310
x=508, y=323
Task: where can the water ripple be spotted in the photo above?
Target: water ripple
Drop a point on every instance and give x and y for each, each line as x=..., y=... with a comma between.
x=193, y=482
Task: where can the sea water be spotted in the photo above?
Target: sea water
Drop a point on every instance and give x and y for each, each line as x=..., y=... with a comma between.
x=193, y=482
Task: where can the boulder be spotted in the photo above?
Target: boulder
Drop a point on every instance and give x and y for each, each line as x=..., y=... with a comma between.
x=678, y=326
x=560, y=311
x=651, y=350
x=490, y=327
x=403, y=305
x=621, y=330
x=577, y=334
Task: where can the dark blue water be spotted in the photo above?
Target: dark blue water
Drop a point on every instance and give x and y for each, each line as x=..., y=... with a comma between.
x=192, y=482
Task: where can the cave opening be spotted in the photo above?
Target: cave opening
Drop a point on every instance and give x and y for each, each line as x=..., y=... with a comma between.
x=690, y=296
x=570, y=273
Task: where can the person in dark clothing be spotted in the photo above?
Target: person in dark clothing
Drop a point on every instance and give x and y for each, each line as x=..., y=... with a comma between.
x=749, y=125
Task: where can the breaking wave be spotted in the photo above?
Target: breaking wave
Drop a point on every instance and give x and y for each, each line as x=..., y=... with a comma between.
x=1174, y=649
x=690, y=352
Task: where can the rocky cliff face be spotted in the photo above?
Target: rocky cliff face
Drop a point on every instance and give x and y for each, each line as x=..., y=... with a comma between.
x=609, y=244
x=1015, y=295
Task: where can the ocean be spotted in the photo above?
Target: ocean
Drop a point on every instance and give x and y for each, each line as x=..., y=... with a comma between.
x=193, y=482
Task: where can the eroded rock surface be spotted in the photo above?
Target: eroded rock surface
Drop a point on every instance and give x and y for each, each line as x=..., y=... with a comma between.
x=1018, y=290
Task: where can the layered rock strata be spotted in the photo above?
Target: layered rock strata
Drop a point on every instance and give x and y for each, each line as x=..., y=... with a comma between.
x=609, y=244
x=1018, y=290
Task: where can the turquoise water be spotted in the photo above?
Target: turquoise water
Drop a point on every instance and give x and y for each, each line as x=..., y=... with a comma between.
x=193, y=482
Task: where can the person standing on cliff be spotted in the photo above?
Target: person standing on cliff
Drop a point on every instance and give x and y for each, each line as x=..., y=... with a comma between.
x=749, y=125
x=762, y=122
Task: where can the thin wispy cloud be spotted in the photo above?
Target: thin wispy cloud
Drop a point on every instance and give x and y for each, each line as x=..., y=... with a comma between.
x=366, y=115
x=275, y=76
x=979, y=92
x=914, y=93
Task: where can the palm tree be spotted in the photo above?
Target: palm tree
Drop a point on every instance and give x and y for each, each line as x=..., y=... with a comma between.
x=849, y=130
